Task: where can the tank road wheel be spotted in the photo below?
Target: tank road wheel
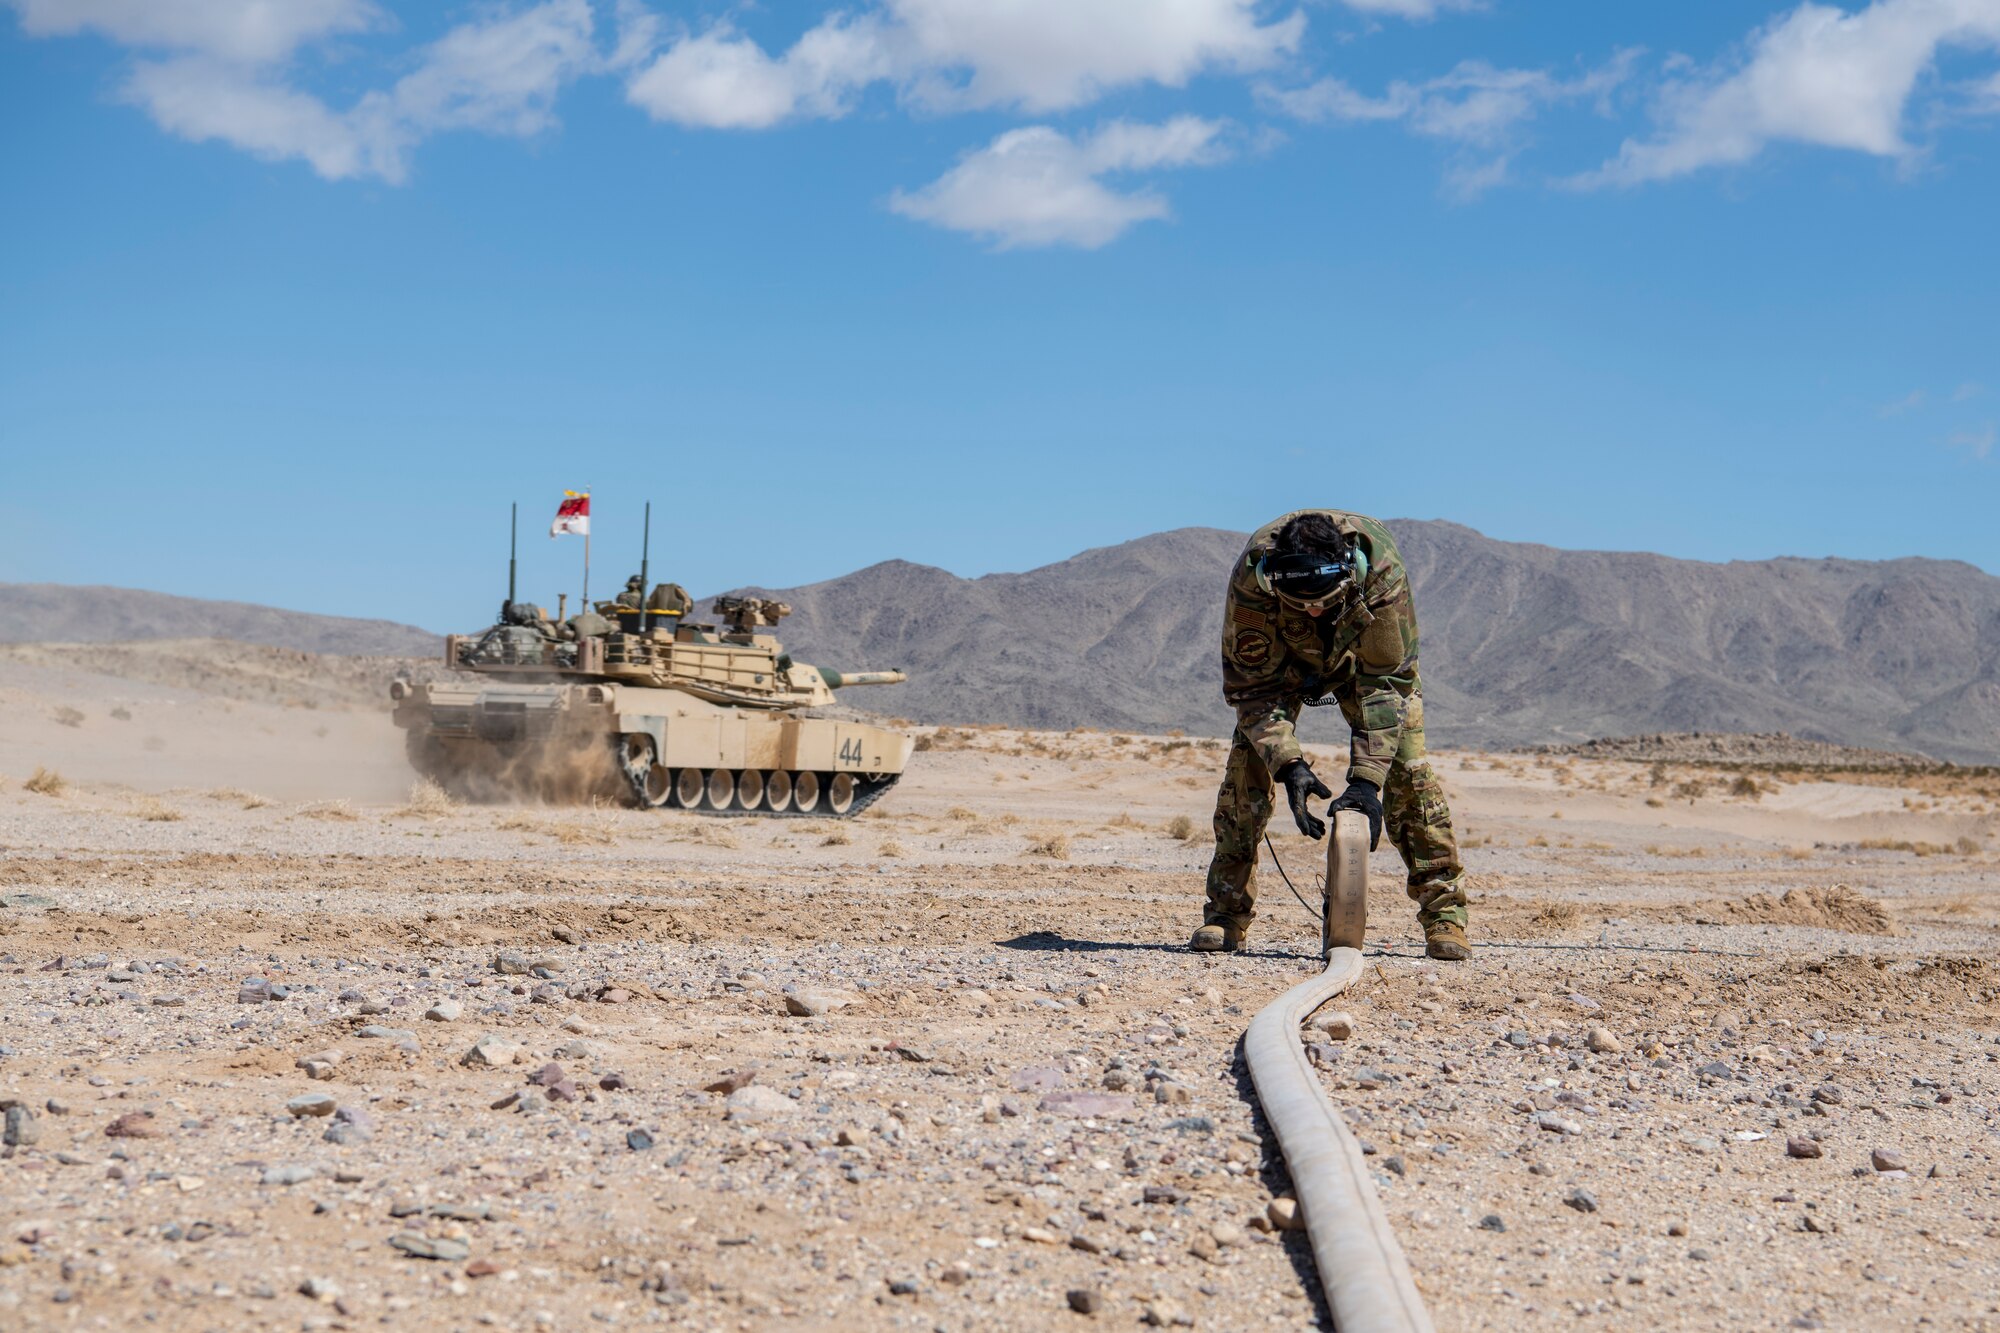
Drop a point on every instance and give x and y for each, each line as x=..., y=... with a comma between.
x=750, y=789
x=649, y=783
x=688, y=788
x=840, y=793
x=805, y=792
x=721, y=789
x=778, y=792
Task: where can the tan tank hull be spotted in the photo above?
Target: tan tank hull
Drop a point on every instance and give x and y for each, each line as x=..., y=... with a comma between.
x=490, y=739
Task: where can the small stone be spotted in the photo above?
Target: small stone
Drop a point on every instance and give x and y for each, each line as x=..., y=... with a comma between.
x=21, y=1130
x=1227, y=1234
x=1091, y=1104
x=1603, y=1041
x=815, y=1003
x=319, y=1289
x=1940, y=1171
x=510, y=964
x=442, y=1248
x=317, y=1070
x=902, y=1286
x=254, y=990
x=1039, y=1235
x=1166, y=1313
x=1715, y=1069
x=1492, y=1222
x=1085, y=1300
x=56, y=1106
x=615, y=1083
x=312, y=1103
x=1337, y=1025
x=134, y=1125
x=492, y=1051
x=445, y=1011
x=638, y=1140
x=1888, y=1159
x=956, y=1274
x=1829, y=1095
x=1582, y=1200
x=1037, y=1078
x=292, y=1174
x=168, y=1001
x=731, y=1081
x=1555, y=1124
x=351, y=1125
x=758, y=1102
x=1802, y=1147
x=1166, y=1194
x=1284, y=1214
x=547, y=1076
x=1678, y=1229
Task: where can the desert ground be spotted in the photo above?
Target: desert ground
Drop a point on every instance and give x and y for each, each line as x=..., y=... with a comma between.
x=1728, y=1054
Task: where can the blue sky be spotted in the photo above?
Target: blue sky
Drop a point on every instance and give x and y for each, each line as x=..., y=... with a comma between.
x=294, y=299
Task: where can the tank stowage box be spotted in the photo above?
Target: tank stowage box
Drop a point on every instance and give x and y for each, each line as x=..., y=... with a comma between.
x=637, y=703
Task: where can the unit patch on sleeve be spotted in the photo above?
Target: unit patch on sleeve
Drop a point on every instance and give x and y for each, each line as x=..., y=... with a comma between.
x=1253, y=649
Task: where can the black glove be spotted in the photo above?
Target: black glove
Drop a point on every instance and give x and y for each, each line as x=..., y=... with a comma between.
x=1362, y=795
x=1299, y=785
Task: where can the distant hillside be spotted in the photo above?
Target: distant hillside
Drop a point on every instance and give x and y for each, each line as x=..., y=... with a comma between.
x=62, y=613
x=1522, y=644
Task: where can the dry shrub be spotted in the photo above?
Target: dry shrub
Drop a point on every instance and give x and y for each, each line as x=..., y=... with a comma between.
x=1656, y=803
x=122, y=713
x=961, y=814
x=249, y=800
x=1555, y=916
x=838, y=837
x=69, y=717
x=156, y=812
x=427, y=800
x=701, y=832
x=338, y=811
x=1968, y=847
x=1180, y=828
x=1538, y=841
x=583, y=834
x=1121, y=820
x=1055, y=846
x=1746, y=785
x=518, y=823
x=1658, y=776
x=1690, y=791
x=890, y=848
x=46, y=782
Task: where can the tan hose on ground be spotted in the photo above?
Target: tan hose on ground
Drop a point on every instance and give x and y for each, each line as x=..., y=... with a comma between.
x=1361, y=1267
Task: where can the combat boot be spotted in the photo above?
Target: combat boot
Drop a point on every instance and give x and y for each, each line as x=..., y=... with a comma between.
x=1218, y=937
x=1445, y=939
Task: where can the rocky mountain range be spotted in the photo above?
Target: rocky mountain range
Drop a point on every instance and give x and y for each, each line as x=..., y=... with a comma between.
x=1522, y=644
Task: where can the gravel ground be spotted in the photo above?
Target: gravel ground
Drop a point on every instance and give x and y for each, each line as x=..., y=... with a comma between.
x=947, y=1067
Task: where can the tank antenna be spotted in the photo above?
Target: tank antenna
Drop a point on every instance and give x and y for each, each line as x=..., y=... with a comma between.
x=513, y=548
x=645, y=549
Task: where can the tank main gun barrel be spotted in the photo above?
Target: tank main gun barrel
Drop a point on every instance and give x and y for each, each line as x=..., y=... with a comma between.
x=836, y=680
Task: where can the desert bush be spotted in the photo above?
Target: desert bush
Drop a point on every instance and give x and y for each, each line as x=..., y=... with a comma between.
x=69, y=717
x=1690, y=791
x=122, y=713
x=890, y=848
x=156, y=812
x=46, y=782
x=1122, y=819
x=1656, y=803
x=1968, y=847
x=1658, y=776
x=583, y=833
x=428, y=800
x=961, y=814
x=1180, y=828
x=1055, y=846
x=838, y=837
x=337, y=811
x=1746, y=785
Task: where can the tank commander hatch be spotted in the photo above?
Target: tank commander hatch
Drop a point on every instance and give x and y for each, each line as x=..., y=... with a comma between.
x=1319, y=610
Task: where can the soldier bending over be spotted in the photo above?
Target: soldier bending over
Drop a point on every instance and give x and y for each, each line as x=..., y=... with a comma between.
x=1319, y=606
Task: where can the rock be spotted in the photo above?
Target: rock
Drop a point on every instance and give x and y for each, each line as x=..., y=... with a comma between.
x=1520, y=1041
x=1037, y=1078
x=1829, y=1095
x=56, y=1106
x=1284, y=1213
x=445, y=1011
x=1227, y=1234
x=1582, y=1200
x=615, y=1083
x=731, y=1082
x=311, y=1103
x=814, y=1003
x=576, y=1050
x=758, y=1102
x=1555, y=1124
x=296, y=1173
x=1085, y=1300
x=1603, y=1041
x=1087, y=1104
x=1116, y=1080
x=351, y=1125
x=21, y=1130
x=319, y=1289
x=492, y=1051
x=1165, y=1312
x=1678, y=1229
x=254, y=990
x=1169, y=1093
x=1715, y=1069
x=134, y=1125
x=1039, y=1235
x=1888, y=1159
x=317, y=1070
x=956, y=1274
x=638, y=1140
x=168, y=1001
x=548, y=1075
x=1492, y=1222
x=1802, y=1147
x=442, y=1248
x=510, y=964
x=1338, y=1025
x=903, y=1286
x=1163, y=1194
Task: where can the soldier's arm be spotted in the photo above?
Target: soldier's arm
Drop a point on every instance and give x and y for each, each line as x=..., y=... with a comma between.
x=1385, y=675
x=1254, y=677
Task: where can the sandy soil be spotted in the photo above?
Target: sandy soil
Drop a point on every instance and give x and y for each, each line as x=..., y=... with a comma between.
x=1002, y=930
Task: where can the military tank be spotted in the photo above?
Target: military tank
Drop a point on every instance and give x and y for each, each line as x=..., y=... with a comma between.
x=637, y=702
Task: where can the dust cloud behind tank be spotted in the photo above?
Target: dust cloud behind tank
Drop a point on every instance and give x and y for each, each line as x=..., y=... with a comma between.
x=632, y=700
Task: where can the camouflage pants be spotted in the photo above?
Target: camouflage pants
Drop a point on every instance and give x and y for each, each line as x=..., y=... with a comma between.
x=1415, y=818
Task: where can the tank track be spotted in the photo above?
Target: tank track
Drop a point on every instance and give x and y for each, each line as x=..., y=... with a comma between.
x=867, y=791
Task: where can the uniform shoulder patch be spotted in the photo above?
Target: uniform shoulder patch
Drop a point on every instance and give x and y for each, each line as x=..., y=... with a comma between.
x=1250, y=617
x=1252, y=648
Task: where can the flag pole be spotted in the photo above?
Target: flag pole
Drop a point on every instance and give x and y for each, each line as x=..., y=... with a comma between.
x=586, y=553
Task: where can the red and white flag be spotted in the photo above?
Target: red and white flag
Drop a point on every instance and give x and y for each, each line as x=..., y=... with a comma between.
x=573, y=515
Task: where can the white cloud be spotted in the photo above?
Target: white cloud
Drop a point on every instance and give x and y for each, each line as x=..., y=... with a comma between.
x=1038, y=187
x=1037, y=55
x=1411, y=9
x=1819, y=75
x=499, y=76
x=1909, y=402
x=250, y=31
x=1978, y=442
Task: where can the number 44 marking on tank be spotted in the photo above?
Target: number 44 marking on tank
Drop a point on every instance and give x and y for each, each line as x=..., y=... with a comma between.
x=850, y=752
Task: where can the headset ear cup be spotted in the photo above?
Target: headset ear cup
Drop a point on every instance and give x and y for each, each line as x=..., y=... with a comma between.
x=1360, y=566
x=1262, y=576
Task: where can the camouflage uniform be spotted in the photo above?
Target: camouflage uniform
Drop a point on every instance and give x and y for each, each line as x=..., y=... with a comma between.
x=1363, y=653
